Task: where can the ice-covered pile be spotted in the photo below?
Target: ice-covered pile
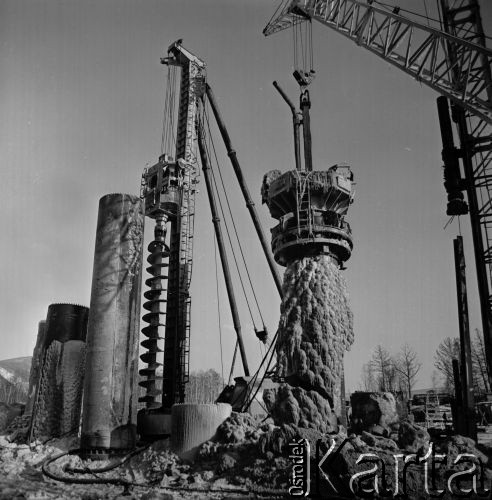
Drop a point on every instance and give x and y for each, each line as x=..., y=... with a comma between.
x=315, y=330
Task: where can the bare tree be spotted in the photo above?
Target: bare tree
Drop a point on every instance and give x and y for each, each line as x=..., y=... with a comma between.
x=204, y=387
x=408, y=366
x=369, y=382
x=436, y=380
x=382, y=364
x=479, y=363
x=448, y=350
x=13, y=391
x=392, y=376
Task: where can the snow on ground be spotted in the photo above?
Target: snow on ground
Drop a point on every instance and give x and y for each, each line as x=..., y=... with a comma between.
x=233, y=468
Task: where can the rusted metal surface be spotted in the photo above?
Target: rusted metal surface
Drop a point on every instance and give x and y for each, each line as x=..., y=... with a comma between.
x=58, y=372
x=66, y=322
x=109, y=406
x=60, y=390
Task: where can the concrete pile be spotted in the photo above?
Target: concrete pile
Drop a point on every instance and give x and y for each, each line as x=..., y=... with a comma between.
x=315, y=330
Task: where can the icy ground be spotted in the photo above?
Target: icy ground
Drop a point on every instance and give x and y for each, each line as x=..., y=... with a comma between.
x=233, y=468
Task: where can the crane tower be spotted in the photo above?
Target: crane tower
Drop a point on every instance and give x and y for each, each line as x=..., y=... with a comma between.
x=453, y=60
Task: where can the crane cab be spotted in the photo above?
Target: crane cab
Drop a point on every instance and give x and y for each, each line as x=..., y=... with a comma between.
x=161, y=187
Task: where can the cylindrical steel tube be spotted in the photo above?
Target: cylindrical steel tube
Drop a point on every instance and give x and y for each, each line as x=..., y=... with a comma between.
x=297, y=123
x=66, y=322
x=109, y=406
x=60, y=350
x=306, y=129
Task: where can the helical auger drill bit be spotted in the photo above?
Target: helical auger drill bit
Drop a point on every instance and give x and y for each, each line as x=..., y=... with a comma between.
x=156, y=298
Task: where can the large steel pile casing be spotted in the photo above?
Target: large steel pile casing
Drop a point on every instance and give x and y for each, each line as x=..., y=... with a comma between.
x=315, y=330
x=59, y=362
x=110, y=399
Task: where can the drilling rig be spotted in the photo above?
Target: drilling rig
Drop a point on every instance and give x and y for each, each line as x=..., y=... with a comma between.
x=168, y=189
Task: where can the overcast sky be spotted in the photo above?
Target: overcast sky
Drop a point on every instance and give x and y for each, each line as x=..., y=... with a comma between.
x=81, y=99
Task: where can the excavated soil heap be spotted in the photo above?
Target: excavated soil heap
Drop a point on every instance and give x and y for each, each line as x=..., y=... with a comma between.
x=315, y=330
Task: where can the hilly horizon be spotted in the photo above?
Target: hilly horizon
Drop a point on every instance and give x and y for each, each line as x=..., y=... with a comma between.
x=14, y=379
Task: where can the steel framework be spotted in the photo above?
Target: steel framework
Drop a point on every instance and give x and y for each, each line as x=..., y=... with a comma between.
x=456, y=63
x=419, y=50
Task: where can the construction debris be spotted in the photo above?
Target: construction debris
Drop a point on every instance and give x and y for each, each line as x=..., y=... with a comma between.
x=229, y=466
x=374, y=412
x=8, y=412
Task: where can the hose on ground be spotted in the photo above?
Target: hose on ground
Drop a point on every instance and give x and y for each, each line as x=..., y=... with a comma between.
x=257, y=490
x=87, y=470
x=82, y=480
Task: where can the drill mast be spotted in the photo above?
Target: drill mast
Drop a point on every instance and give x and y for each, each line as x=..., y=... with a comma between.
x=168, y=188
x=177, y=338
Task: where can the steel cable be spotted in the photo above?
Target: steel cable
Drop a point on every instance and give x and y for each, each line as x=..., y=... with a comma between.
x=226, y=225
x=235, y=228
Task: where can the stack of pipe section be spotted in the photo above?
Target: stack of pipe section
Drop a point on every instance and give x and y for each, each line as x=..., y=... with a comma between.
x=109, y=406
x=59, y=363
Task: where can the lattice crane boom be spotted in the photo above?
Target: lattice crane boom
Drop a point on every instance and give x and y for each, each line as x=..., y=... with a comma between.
x=419, y=50
x=456, y=63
